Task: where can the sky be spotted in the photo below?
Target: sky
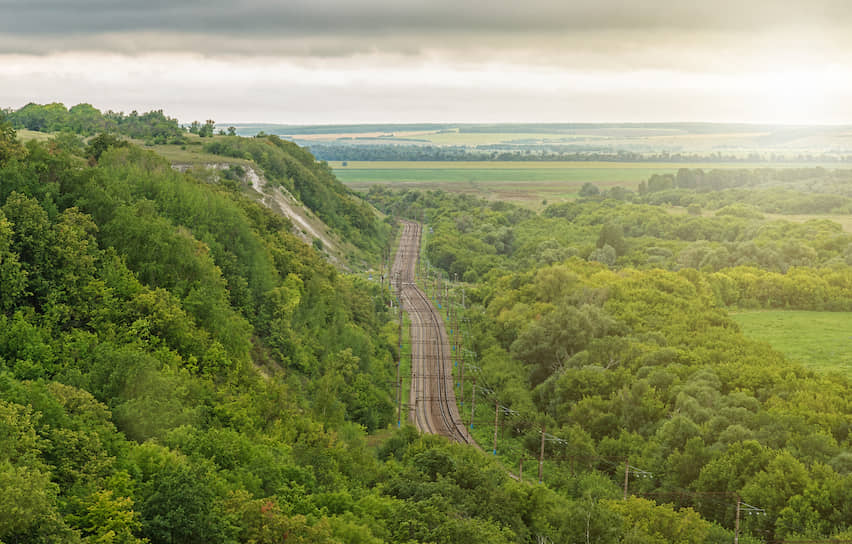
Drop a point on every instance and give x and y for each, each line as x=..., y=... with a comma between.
x=406, y=61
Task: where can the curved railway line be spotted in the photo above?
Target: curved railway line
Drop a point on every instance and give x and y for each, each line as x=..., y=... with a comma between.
x=432, y=406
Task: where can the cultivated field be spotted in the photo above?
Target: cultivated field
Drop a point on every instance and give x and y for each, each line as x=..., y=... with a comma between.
x=523, y=182
x=819, y=340
x=703, y=138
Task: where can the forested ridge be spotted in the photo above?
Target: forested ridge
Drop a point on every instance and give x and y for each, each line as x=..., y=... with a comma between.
x=85, y=130
x=603, y=324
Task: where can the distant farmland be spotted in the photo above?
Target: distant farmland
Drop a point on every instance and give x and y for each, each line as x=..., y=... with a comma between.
x=688, y=138
x=523, y=182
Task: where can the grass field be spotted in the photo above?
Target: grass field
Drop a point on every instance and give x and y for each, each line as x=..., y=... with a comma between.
x=522, y=182
x=821, y=341
x=454, y=137
x=193, y=154
x=25, y=135
x=623, y=137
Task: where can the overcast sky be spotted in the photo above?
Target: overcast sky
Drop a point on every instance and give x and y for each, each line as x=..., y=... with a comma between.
x=347, y=61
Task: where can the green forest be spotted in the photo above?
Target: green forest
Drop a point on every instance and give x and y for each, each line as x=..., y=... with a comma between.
x=177, y=367
x=604, y=325
x=86, y=120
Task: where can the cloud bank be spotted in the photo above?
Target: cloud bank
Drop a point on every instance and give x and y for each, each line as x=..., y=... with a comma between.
x=411, y=27
x=416, y=60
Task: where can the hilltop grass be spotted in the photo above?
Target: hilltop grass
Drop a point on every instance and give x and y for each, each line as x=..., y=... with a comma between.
x=193, y=153
x=25, y=135
x=821, y=341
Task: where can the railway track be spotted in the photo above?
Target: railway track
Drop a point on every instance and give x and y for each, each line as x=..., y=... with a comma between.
x=432, y=406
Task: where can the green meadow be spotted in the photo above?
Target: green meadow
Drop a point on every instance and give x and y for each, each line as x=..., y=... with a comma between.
x=821, y=341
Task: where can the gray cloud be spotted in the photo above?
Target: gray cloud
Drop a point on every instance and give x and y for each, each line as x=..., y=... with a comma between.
x=339, y=27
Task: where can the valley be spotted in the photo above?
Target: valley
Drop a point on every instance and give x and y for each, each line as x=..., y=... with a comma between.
x=216, y=333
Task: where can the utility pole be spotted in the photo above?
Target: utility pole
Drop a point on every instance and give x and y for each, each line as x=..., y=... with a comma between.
x=455, y=301
x=398, y=382
x=541, y=456
x=496, y=422
x=473, y=403
x=741, y=506
x=398, y=397
x=414, y=391
x=626, y=476
x=434, y=284
x=521, y=470
x=460, y=355
x=449, y=304
x=737, y=522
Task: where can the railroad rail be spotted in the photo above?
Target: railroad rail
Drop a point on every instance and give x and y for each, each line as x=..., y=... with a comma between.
x=432, y=405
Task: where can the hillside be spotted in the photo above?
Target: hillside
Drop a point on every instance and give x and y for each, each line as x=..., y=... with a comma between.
x=288, y=178
x=177, y=367
x=304, y=223
x=293, y=168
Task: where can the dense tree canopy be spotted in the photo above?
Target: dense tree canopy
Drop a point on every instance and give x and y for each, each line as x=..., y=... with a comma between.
x=175, y=366
x=140, y=302
x=633, y=355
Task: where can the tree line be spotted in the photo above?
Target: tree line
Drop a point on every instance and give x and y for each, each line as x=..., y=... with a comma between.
x=153, y=127
x=473, y=238
x=413, y=149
